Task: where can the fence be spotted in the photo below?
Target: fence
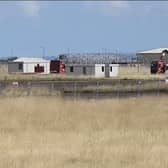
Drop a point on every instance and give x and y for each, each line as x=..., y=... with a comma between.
x=86, y=89
x=119, y=89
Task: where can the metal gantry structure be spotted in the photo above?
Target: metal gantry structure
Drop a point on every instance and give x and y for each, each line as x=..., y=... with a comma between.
x=95, y=58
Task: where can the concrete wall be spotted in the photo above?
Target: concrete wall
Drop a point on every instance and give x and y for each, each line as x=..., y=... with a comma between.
x=78, y=70
x=97, y=70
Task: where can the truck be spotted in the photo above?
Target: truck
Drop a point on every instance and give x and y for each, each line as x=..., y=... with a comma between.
x=158, y=67
x=57, y=66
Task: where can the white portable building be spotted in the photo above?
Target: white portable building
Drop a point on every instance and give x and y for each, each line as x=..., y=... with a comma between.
x=112, y=70
x=29, y=65
x=99, y=70
x=96, y=70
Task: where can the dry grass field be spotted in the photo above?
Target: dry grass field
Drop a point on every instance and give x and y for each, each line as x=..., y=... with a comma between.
x=52, y=132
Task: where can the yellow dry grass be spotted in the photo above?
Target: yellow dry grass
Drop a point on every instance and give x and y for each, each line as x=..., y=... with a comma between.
x=3, y=69
x=29, y=91
x=140, y=72
x=50, y=132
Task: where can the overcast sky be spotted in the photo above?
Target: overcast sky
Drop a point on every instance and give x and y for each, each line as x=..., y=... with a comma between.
x=84, y=26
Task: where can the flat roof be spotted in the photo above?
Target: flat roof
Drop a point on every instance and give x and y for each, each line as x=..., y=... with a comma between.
x=83, y=64
x=153, y=51
x=30, y=60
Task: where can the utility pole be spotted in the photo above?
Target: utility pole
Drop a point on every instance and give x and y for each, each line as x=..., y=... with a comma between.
x=116, y=56
x=11, y=52
x=43, y=51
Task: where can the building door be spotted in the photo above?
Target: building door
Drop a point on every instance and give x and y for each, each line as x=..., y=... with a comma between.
x=38, y=69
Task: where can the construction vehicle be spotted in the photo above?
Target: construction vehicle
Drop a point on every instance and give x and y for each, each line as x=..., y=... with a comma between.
x=57, y=66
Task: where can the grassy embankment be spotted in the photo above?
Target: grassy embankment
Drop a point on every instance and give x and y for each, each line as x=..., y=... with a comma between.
x=47, y=132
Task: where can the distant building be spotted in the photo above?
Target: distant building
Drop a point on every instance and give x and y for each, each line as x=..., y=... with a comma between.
x=146, y=57
x=29, y=65
x=96, y=70
x=112, y=70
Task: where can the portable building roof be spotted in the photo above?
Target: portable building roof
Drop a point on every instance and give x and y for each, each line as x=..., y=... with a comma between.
x=153, y=51
x=84, y=64
x=30, y=60
x=114, y=65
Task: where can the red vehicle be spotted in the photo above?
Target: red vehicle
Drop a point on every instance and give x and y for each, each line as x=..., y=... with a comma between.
x=158, y=67
x=57, y=66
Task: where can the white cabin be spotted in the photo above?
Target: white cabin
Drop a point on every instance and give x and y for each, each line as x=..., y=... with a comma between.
x=29, y=65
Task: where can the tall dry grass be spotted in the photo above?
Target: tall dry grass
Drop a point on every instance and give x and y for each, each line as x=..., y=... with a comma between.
x=141, y=72
x=29, y=91
x=49, y=132
x=3, y=69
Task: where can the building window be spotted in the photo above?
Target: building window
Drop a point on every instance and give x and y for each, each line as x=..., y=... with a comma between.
x=20, y=66
x=71, y=69
x=111, y=69
x=102, y=68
